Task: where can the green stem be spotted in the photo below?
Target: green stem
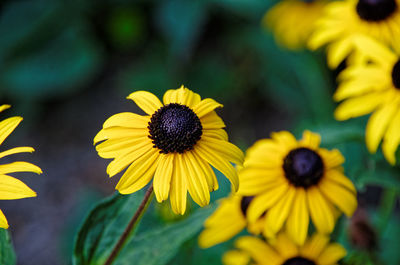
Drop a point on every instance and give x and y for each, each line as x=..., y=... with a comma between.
x=131, y=226
x=386, y=208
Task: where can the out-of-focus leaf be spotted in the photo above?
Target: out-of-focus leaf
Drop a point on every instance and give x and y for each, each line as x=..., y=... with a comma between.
x=181, y=21
x=103, y=227
x=380, y=173
x=250, y=8
x=7, y=255
x=61, y=66
x=159, y=246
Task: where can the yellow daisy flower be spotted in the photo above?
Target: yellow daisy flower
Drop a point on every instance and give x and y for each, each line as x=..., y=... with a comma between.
x=283, y=251
x=379, y=19
x=373, y=87
x=293, y=180
x=292, y=21
x=176, y=142
x=12, y=188
x=227, y=221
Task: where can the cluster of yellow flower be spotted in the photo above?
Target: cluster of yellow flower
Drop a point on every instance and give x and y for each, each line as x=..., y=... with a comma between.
x=363, y=34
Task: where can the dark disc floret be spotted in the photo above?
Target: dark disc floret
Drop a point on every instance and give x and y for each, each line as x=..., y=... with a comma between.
x=303, y=167
x=396, y=75
x=299, y=261
x=175, y=128
x=244, y=204
x=375, y=10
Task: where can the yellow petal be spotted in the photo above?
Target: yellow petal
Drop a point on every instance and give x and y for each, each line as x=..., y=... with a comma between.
x=392, y=139
x=221, y=232
x=16, y=150
x=206, y=106
x=162, y=177
x=19, y=167
x=121, y=146
x=12, y=189
x=212, y=121
x=332, y=254
x=209, y=174
x=219, y=134
x=358, y=106
x=338, y=51
x=278, y=214
x=196, y=181
x=119, y=132
x=7, y=126
x=127, y=119
x=259, y=250
x=332, y=158
x=227, y=150
x=3, y=221
x=235, y=257
x=4, y=107
x=139, y=173
x=342, y=197
x=338, y=177
x=285, y=246
x=220, y=164
x=320, y=211
x=310, y=140
x=377, y=124
x=147, y=101
x=182, y=96
x=314, y=246
x=178, y=190
x=254, y=181
x=298, y=220
x=374, y=49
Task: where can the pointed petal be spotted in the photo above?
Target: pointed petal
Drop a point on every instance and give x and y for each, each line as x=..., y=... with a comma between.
x=12, y=189
x=127, y=119
x=19, y=167
x=278, y=214
x=147, y=101
x=298, y=220
x=162, y=177
x=178, y=192
x=182, y=96
x=206, y=106
x=3, y=221
x=16, y=150
x=320, y=211
x=7, y=126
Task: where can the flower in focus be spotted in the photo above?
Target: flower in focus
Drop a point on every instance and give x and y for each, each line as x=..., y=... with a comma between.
x=294, y=180
x=292, y=21
x=227, y=221
x=283, y=251
x=373, y=87
x=343, y=20
x=176, y=142
x=12, y=188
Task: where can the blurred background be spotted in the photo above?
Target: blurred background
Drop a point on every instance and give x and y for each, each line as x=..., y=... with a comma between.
x=66, y=66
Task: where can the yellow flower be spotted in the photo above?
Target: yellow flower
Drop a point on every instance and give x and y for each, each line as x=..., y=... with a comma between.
x=343, y=20
x=373, y=87
x=292, y=21
x=176, y=142
x=283, y=251
x=12, y=188
x=227, y=221
x=294, y=180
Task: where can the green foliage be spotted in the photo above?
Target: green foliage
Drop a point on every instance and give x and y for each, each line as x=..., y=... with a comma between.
x=7, y=255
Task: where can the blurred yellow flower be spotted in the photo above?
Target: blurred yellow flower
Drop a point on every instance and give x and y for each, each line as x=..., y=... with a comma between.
x=283, y=251
x=293, y=180
x=12, y=188
x=343, y=20
x=227, y=221
x=292, y=21
x=176, y=142
x=373, y=87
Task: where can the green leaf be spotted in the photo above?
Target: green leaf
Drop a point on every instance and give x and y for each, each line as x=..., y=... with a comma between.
x=159, y=246
x=103, y=227
x=7, y=255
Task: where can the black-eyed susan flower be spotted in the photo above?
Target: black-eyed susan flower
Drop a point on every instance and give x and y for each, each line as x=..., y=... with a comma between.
x=373, y=87
x=292, y=21
x=12, y=188
x=378, y=19
x=176, y=142
x=283, y=251
x=227, y=221
x=293, y=181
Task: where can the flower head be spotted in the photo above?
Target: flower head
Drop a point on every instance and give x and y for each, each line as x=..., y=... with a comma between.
x=373, y=87
x=292, y=21
x=344, y=20
x=12, y=188
x=176, y=142
x=283, y=251
x=294, y=180
x=227, y=221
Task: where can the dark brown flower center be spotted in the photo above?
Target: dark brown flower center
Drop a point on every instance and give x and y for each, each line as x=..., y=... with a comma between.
x=299, y=261
x=375, y=10
x=396, y=75
x=244, y=204
x=174, y=128
x=303, y=167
